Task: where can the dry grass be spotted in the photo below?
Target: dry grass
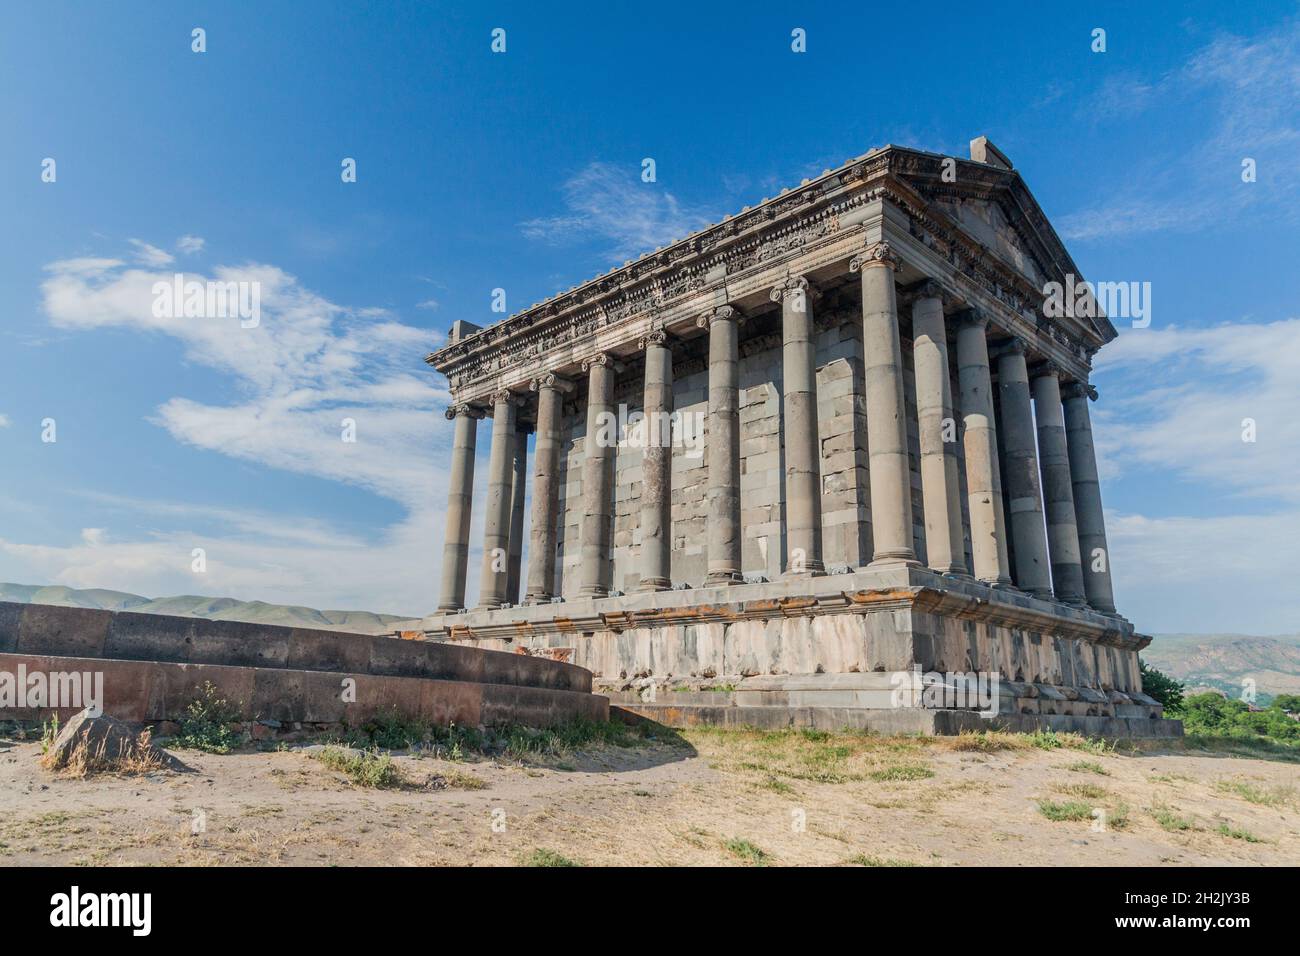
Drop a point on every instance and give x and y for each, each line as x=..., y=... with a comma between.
x=84, y=760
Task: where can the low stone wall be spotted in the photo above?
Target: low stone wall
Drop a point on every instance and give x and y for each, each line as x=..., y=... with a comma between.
x=151, y=667
x=122, y=635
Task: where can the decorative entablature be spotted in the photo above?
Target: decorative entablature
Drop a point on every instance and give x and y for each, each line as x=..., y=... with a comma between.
x=819, y=213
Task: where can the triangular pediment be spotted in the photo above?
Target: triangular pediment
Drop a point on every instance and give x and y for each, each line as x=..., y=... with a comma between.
x=991, y=203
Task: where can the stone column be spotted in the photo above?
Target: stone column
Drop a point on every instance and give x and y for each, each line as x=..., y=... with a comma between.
x=891, y=479
x=460, y=494
x=1087, y=498
x=803, y=492
x=940, y=485
x=988, y=525
x=546, y=465
x=518, y=479
x=496, y=524
x=1058, y=496
x=1021, y=473
x=723, y=523
x=597, y=574
x=656, y=465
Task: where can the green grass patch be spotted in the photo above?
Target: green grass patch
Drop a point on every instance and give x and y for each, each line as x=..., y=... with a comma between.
x=747, y=851
x=1088, y=791
x=863, y=859
x=1235, y=833
x=1169, y=819
x=1273, y=797
x=1063, y=812
x=901, y=771
x=1088, y=766
x=544, y=857
x=368, y=769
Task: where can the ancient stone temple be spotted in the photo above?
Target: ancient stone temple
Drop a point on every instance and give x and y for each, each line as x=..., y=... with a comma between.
x=828, y=441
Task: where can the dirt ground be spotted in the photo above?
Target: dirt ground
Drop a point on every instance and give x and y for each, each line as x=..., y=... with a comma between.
x=707, y=797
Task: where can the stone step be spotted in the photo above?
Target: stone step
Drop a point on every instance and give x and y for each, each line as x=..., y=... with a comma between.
x=896, y=721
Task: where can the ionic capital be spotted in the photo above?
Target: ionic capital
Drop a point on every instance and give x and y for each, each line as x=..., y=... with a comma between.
x=1045, y=367
x=723, y=313
x=466, y=409
x=506, y=397
x=879, y=254
x=1013, y=346
x=603, y=359
x=794, y=285
x=656, y=336
x=550, y=381
x=1078, y=390
x=928, y=289
x=972, y=317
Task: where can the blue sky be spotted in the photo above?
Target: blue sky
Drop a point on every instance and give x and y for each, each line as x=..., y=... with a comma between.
x=521, y=170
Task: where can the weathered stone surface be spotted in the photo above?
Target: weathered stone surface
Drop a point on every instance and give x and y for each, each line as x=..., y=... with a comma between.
x=103, y=743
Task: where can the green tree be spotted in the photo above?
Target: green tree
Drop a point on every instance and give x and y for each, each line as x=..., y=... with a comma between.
x=1162, y=687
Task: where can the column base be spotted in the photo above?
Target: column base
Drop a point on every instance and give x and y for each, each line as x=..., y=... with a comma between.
x=810, y=570
x=450, y=608
x=905, y=559
x=723, y=578
x=655, y=584
x=953, y=571
x=594, y=592
x=531, y=599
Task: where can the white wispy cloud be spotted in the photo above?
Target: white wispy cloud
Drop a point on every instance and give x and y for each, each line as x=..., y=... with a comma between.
x=292, y=381
x=1243, y=91
x=1175, y=405
x=610, y=204
x=152, y=256
x=190, y=244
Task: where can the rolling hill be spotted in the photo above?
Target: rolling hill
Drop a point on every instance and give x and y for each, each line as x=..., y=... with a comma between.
x=190, y=605
x=1223, y=661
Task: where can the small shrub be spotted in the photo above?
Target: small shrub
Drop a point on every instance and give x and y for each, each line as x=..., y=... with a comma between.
x=208, y=723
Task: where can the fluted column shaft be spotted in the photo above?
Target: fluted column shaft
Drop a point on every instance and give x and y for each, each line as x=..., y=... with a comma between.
x=988, y=526
x=597, y=569
x=1095, y=554
x=546, y=465
x=1058, y=496
x=656, y=465
x=460, y=493
x=1020, y=470
x=723, y=441
x=890, y=471
x=495, y=572
x=518, y=481
x=940, y=487
x=803, y=493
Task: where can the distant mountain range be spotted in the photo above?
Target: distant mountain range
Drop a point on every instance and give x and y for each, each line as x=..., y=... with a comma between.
x=1223, y=661
x=216, y=609
x=1201, y=661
